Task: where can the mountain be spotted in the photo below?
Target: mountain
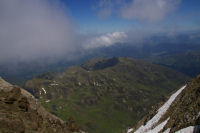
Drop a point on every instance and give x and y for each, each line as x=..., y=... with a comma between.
x=180, y=114
x=110, y=94
x=186, y=62
x=20, y=112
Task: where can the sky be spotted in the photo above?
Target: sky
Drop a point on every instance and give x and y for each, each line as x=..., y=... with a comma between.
x=55, y=29
x=124, y=15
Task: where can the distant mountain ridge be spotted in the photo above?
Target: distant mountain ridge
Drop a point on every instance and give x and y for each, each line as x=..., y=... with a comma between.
x=156, y=46
x=109, y=93
x=186, y=62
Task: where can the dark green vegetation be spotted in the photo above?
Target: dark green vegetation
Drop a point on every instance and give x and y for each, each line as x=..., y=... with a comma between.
x=105, y=95
x=187, y=62
x=21, y=113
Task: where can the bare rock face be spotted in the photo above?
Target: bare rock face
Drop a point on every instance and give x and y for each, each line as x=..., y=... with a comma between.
x=21, y=113
x=23, y=103
x=185, y=110
x=13, y=95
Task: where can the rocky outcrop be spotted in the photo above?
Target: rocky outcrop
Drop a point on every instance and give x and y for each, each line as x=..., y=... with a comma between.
x=185, y=110
x=20, y=112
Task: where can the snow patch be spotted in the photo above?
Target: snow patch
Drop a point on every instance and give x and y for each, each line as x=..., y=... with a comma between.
x=158, y=128
x=167, y=131
x=96, y=84
x=161, y=111
x=54, y=84
x=47, y=101
x=198, y=115
x=186, y=130
x=190, y=129
x=130, y=130
x=44, y=90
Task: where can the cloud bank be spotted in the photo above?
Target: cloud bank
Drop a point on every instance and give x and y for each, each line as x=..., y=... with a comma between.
x=105, y=40
x=40, y=29
x=34, y=29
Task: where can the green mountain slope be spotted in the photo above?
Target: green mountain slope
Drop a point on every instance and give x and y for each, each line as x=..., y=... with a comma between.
x=187, y=62
x=110, y=94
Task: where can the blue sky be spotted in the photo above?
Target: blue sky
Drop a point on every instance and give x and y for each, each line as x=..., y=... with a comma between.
x=87, y=19
x=85, y=14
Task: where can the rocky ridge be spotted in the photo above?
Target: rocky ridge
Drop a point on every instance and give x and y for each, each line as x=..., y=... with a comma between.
x=183, y=115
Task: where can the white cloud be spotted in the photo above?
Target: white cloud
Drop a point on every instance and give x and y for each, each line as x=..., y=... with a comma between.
x=150, y=10
x=106, y=40
x=34, y=29
x=107, y=7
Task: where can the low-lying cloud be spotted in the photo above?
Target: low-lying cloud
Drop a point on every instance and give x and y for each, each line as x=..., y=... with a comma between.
x=41, y=29
x=105, y=40
x=34, y=29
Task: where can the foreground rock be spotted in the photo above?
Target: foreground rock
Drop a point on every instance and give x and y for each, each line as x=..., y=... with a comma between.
x=21, y=113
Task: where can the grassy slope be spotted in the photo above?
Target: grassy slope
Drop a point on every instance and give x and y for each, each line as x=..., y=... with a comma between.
x=109, y=99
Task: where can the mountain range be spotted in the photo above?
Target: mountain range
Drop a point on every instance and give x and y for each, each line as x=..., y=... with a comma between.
x=160, y=49
x=186, y=62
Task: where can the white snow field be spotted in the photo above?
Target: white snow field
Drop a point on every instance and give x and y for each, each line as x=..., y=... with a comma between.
x=161, y=111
